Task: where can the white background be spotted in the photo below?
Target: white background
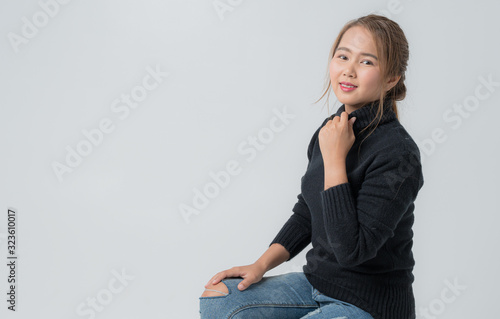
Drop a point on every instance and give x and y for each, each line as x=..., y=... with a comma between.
x=119, y=208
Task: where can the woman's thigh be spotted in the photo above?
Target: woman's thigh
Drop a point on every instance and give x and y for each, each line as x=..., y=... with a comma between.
x=331, y=308
x=282, y=296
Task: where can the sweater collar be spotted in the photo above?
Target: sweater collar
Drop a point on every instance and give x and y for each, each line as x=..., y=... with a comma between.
x=367, y=113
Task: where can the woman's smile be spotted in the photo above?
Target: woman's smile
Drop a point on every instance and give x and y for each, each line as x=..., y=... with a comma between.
x=347, y=87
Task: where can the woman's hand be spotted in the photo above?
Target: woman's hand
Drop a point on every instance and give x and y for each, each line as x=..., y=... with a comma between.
x=251, y=273
x=336, y=138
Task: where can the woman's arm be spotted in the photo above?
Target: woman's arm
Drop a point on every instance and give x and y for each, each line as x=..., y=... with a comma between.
x=357, y=227
x=296, y=233
x=359, y=222
x=335, y=172
x=274, y=256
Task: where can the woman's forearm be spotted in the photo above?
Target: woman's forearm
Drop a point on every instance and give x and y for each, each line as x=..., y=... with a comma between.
x=275, y=255
x=335, y=172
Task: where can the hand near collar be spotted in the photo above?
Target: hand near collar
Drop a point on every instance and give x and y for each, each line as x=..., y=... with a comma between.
x=336, y=138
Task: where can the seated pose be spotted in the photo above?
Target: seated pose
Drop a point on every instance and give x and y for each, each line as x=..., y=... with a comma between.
x=356, y=203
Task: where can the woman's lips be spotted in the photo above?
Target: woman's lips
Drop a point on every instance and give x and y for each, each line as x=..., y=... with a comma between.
x=346, y=88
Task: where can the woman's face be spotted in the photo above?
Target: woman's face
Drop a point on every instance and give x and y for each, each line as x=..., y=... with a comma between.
x=355, y=62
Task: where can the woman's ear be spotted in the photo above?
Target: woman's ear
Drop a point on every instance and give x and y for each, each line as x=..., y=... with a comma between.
x=392, y=82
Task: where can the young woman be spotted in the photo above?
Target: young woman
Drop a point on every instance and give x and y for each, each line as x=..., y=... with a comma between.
x=356, y=202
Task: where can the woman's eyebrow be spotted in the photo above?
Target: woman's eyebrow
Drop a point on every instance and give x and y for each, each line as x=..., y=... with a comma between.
x=362, y=53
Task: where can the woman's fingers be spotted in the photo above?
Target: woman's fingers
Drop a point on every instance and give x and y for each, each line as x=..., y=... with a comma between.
x=215, y=279
x=352, y=120
x=244, y=284
x=221, y=275
x=343, y=116
x=250, y=274
x=218, y=278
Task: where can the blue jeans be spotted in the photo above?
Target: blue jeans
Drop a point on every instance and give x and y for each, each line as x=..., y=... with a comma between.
x=288, y=295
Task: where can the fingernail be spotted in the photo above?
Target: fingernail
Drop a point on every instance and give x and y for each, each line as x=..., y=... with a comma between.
x=240, y=286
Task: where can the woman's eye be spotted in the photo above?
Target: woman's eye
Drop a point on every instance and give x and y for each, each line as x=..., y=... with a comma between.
x=369, y=62
x=340, y=56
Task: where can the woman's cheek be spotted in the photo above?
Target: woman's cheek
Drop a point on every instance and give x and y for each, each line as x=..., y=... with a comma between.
x=370, y=81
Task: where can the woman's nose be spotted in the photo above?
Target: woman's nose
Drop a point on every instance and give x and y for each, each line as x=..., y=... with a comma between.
x=349, y=70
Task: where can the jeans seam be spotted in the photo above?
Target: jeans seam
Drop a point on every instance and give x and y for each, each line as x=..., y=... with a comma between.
x=270, y=305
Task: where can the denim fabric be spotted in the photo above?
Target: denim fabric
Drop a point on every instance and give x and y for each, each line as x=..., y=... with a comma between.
x=288, y=295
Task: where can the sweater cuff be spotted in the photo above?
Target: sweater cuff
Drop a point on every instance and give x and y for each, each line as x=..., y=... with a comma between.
x=293, y=237
x=337, y=199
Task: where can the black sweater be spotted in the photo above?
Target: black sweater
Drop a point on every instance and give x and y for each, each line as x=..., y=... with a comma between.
x=361, y=230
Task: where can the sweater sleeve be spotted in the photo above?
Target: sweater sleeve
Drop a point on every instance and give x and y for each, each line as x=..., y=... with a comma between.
x=295, y=235
x=358, y=227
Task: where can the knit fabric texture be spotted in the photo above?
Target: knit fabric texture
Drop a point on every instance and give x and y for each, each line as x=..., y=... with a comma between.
x=361, y=231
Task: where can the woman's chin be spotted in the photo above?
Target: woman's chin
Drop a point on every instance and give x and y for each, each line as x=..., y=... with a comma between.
x=343, y=100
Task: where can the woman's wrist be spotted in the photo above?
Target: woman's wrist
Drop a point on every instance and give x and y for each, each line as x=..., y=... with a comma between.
x=272, y=257
x=261, y=264
x=335, y=172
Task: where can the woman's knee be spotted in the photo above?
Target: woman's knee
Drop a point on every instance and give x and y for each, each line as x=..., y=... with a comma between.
x=214, y=302
x=219, y=289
